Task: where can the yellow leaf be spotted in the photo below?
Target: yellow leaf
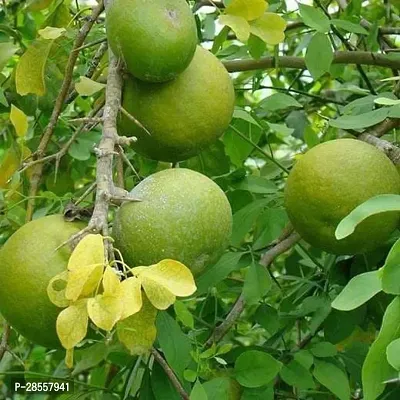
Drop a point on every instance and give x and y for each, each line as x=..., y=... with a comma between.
x=105, y=311
x=88, y=87
x=29, y=76
x=69, y=358
x=56, y=290
x=72, y=324
x=89, y=251
x=111, y=283
x=83, y=281
x=8, y=167
x=248, y=9
x=160, y=297
x=130, y=296
x=138, y=332
x=270, y=28
x=238, y=24
x=51, y=33
x=19, y=121
x=171, y=274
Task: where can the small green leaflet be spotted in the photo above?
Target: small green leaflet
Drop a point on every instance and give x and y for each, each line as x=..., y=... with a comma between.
x=349, y=26
x=360, y=121
x=198, y=392
x=376, y=369
x=393, y=354
x=279, y=101
x=257, y=284
x=319, y=55
x=374, y=205
x=359, y=290
x=391, y=271
x=314, y=18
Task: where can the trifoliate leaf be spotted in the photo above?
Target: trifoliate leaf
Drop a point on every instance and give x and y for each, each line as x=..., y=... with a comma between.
x=29, y=76
x=238, y=24
x=248, y=9
x=172, y=275
x=69, y=358
x=51, y=33
x=56, y=290
x=111, y=283
x=138, y=332
x=83, y=281
x=270, y=28
x=130, y=296
x=105, y=311
x=19, y=121
x=89, y=251
x=159, y=296
x=72, y=324
x=88, y=87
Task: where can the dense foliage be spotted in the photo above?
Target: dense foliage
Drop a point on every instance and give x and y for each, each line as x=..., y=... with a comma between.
x=270, y=319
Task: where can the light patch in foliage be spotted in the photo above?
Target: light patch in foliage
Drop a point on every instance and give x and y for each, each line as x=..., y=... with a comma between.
x=105, y=310
x=89, y=251
x=72, y=324
x=88, y=87
x=51, y=33
x=7, y=50
x=19, y=120
x=270, y=28
x=238, y=24
x=56, y=290
x=138, y=332
x=9, y=166
x=29, y=76
x=130, y=296
x=247, y=9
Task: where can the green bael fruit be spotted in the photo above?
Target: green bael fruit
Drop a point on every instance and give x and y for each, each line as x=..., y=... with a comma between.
x=28, y=261
x=183, y=116
x=156, y=38
x=328, y=182
x=183, y=216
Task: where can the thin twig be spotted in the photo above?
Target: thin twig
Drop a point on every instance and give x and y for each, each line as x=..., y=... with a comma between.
x=134, y=120
x=170, y=373
x=37, y=170
x=4, y=340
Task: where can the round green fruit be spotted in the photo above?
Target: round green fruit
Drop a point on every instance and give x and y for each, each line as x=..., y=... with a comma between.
x=332, y=179
x=28, y=261
x=182, y=117
x=156, y=38
x=182, y=215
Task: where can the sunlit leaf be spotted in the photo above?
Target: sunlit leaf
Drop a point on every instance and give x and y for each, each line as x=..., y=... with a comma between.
x=130, y=296
x=88, y=87
x=138, y=332
x=56, y=290
x=248, y=9
x=7, y=50
x=19, y=120
x=111, y=282
x=89, y=251
x=51, y=33
x=391, y=270
x=72, y=324
x=238, y=24
x=69, y=358
x=159, y=296
x=270, y=28
x=30, y=69
x=105, y=311
x=8, y=166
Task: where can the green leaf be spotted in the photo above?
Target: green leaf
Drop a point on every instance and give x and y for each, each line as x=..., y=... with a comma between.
x=88, y=87
x=174, y=343
x=30, y=69
x=161, y=385
x=305, y=358
x=311, y=137
x=222, y=388
x=384, y=101
x=257, y=184
x=319, y=55
x=255, y=368
x=183, y=314
x=374, y=205
x=376, y=368
x=257, y=284
x=323, y=349
x=238, y=24
x=295, y=374
x=359, y=290
x=263, y=393
x=51, y=33
x=393, y=354
x=198, y=392
x=314, y=18
x=218, y=272
x=268, y=318
x=360, y=121
x=7, y=50
x=90, y=357
x=333, y=378
x=256, y=46
x=279, y=101
x=349, y=26
x=391, y=270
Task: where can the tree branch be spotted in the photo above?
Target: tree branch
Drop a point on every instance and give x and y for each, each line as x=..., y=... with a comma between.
x=170, y=373
x=266, y=260
x=48, y=133
x=340, y=57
